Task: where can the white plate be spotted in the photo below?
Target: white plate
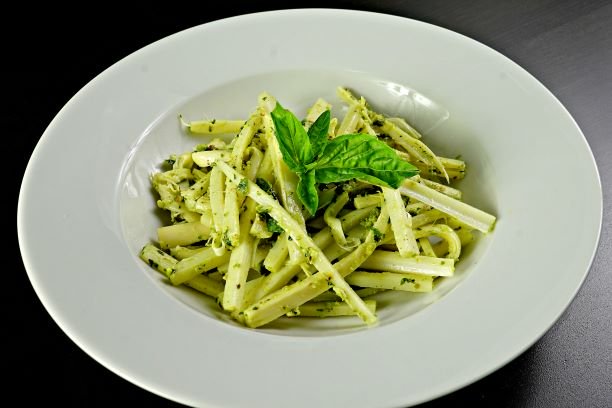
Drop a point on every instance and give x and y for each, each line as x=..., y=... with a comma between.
x=85, y=209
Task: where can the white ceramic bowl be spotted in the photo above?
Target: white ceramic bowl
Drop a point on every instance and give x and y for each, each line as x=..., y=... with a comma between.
x=86, y=208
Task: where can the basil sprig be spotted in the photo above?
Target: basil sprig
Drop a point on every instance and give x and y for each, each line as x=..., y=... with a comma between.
x=316, y=159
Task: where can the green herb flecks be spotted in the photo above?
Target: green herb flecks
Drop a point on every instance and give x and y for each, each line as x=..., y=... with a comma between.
x=265, y=186
x=273, y=225
x=243, y=185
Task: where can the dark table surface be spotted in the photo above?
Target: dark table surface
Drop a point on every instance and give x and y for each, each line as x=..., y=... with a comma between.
x=566, y=44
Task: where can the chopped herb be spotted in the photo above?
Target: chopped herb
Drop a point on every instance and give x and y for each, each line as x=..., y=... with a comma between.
x=243, y=185
x=265, y=186
x=272, y=224
x=368, y=221
x=407, y=280
x=378, y=236
x=226, y=240
x=308, y=255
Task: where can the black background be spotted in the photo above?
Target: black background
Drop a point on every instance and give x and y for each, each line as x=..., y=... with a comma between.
x=48, y=55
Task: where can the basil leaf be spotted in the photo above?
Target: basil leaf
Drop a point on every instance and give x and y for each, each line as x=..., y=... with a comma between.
x=363, y=157
x=354, y=156
x=317, y=133
x=292, y=139
x=307, y=191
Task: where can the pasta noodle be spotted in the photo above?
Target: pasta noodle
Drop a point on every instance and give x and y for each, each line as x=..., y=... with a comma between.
x=241, y=233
